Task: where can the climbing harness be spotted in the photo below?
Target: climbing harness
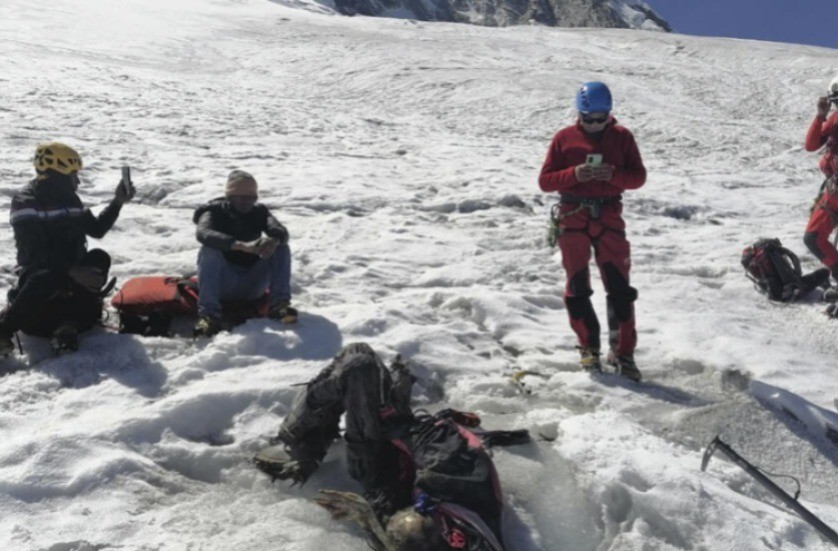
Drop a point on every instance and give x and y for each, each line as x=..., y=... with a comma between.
x=593, y=205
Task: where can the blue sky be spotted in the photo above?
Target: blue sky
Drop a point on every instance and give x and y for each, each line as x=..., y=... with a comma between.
x=799, y=21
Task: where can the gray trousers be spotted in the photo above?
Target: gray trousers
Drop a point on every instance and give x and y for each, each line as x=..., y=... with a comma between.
x=356, y=383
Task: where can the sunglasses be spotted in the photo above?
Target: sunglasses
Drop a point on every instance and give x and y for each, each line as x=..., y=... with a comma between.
x=594, y=120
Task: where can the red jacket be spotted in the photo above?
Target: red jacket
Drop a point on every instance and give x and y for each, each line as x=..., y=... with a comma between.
x=571, y=146
x=825, y=131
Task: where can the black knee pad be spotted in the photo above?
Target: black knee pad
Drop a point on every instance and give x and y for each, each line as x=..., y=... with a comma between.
x=578, y=307
x=620, y=294
x=622, y=304
x=811, y=241
x=579, y=285
x=616, y=284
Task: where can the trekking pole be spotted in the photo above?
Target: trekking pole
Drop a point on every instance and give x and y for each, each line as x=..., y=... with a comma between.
x=766, y=482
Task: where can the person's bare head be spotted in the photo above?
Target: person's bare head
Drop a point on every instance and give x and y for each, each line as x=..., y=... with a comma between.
x=410, y=531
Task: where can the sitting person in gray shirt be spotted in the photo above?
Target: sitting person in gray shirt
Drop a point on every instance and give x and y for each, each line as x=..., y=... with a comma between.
x=244, y=253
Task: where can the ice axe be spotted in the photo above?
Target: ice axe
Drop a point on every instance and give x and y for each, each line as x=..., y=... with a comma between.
x=757, y=474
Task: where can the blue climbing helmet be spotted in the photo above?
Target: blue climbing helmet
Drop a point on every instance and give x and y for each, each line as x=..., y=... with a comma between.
x=593, y=97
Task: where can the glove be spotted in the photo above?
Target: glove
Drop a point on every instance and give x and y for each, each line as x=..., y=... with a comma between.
x=123, y=194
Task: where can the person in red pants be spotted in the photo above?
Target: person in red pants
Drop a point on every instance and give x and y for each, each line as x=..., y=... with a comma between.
x=824, y=132
x=590, y=164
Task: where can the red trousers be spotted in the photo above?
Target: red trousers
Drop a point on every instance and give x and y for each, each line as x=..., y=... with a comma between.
x=820, y=226
x=581, y=233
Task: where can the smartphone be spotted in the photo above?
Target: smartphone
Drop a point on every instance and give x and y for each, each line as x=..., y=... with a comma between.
x=593, y=159
x=126, y=181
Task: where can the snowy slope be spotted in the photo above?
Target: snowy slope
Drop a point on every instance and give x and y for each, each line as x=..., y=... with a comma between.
x=403, y=157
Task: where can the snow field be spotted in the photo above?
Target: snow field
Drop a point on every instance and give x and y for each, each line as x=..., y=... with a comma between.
x=403, y=158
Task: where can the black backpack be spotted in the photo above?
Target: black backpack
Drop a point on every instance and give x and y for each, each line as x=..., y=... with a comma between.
x=776, y=271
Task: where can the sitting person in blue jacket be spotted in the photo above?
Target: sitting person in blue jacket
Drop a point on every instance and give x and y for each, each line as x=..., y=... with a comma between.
x=244, y=253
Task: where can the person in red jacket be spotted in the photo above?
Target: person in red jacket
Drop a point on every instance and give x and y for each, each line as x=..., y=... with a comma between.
x=590, y=164
x=824, y=132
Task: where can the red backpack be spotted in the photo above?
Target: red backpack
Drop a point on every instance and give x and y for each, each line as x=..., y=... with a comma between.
x=147, y=304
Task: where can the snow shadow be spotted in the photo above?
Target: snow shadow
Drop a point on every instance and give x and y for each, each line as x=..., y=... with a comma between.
x=101, y=355
x=812, y=423
x=652, y=390
x=313, y=337
x=12, y=364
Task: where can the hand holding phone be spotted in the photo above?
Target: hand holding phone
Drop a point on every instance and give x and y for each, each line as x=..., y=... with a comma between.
x=603, y=172
x=266, y=247
x=125, y=191
x=584, y=173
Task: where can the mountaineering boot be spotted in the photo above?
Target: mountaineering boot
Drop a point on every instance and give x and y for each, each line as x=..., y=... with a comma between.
x=590, y=359
x=207, y=326
x=6, y=345
x=292, y=460
x=65, y=339
x=625, y=366
x=283, y=312
x=831, y=294
x=285, y=462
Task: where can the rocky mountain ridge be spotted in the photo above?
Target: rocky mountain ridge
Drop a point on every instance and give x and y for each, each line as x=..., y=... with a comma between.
x=626, y=14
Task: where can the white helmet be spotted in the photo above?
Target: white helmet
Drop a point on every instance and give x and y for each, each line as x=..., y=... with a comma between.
x=832, y=93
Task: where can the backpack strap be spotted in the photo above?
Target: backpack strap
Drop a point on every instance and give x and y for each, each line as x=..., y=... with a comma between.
x=791, y=277
x=187, y=289
x=106, y=290
x=795, y=262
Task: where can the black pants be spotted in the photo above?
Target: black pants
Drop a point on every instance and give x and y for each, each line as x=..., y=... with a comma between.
x=45, y=299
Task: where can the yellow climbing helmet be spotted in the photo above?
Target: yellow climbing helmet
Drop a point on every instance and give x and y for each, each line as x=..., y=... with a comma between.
x=58, y=157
